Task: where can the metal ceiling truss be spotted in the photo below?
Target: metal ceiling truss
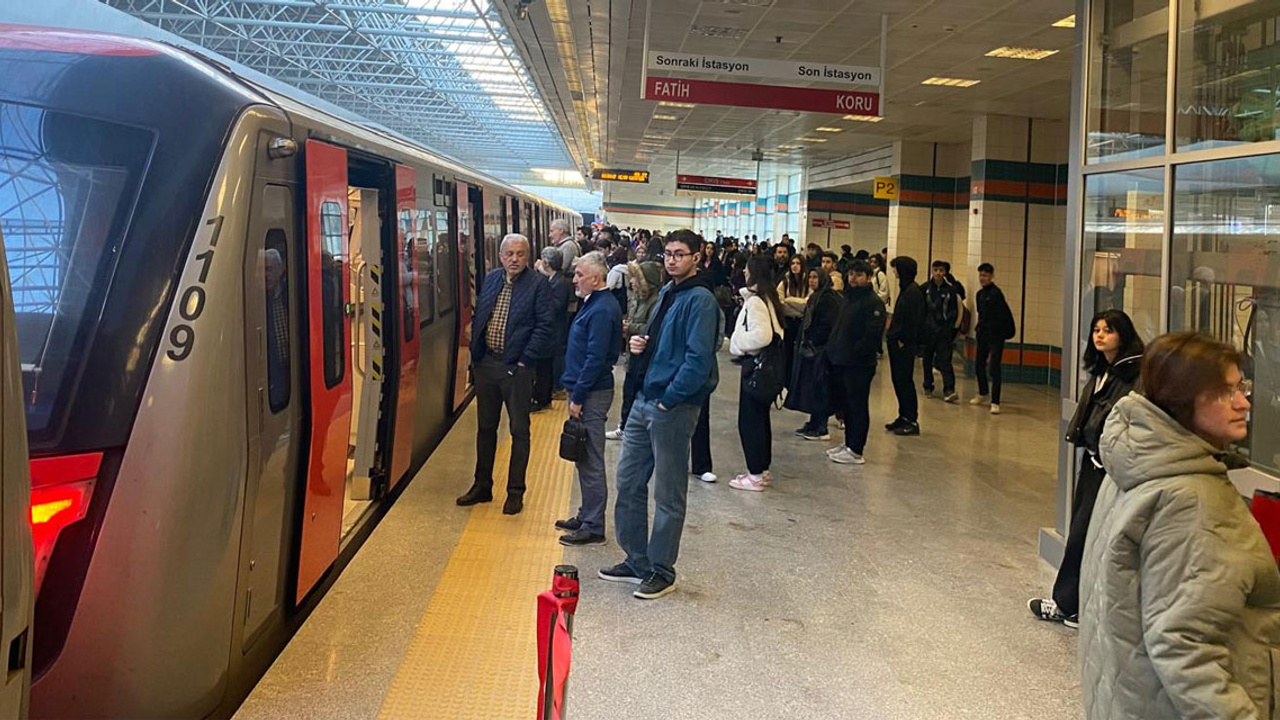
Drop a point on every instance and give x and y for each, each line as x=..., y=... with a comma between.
x=442, y=72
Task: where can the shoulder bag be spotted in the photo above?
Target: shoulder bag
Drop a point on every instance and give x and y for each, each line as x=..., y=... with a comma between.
x=573, y=440
x=765, y=372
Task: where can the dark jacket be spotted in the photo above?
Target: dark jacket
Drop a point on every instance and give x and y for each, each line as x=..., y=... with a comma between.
x=995, y=319
x=1086, y=425
x=682, y=344
x=560, y=294
x=943, y=306
x=855, y=339
x=594, y=342
x=907, y=325
x=820, y=314
x=529, y=322
x=810, y=370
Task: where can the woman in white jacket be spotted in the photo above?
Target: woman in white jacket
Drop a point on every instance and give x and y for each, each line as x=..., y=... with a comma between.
x=757, y=324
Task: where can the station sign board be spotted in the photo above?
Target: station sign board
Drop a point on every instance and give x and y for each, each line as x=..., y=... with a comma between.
x=772, y=97
x=833, y=224
x=788, y=71
x=626, y=176
x=885, y=188
x=719, y=185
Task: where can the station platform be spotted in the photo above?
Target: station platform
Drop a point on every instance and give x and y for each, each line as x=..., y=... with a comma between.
x=891, y=590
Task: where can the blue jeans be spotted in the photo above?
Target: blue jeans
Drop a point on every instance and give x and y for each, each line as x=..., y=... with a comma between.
x=591, y=477
x=654, y=444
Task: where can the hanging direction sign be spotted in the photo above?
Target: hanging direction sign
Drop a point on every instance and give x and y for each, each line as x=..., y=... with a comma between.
x=789, y=71
x=775, y=97
x=627, y=176
x=718, y=185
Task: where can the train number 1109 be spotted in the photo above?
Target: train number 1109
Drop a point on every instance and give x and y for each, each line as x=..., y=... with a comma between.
x=182, y=338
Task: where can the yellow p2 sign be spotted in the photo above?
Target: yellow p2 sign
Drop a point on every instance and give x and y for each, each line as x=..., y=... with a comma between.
x=886, y=188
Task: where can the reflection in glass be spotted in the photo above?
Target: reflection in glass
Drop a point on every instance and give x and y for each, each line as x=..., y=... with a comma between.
x=332, y=278
x=424, y=240
x=1128, y=69
x=1228, y=74
x=1120, y=264
x=1226, y=275
x=445, y=272
x=275, y=281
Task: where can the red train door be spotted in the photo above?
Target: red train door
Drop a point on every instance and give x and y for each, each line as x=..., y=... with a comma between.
x=407, y=255
x=467, y=288
x=329, y=326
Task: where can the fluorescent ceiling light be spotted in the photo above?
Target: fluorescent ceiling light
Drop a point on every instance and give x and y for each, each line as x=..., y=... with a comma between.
x=811, y=140
x=826, y=128
x=559, y=177
x=665, y=117
x=1018, y=53
x=864, y=118
x=1066, y=22
x=950, y=82
x=788, y=147
x=666, y=103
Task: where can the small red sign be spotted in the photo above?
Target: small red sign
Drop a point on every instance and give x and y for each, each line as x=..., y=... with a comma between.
x=777, y=97
x=834, y=224
x=840, y=224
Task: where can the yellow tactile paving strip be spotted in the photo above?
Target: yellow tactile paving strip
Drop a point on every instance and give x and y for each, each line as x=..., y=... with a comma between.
x=473, y=654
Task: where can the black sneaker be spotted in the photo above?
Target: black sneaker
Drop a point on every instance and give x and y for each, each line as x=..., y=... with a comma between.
x=581, y=537
x=513, y=505
x=537, y=407
x=894, y=425
x=619, y=573
x=817, y=435
x=802, y=430
x=654, y=587
x=571, y=524
x=909, y=428
x=1048, y=610
x=475, y=496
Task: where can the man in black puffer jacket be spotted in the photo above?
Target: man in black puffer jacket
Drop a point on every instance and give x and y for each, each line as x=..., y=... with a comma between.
x=851, y=350
x=905, y=333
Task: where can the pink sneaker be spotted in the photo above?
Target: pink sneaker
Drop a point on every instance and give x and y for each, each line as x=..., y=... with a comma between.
x=753, y=483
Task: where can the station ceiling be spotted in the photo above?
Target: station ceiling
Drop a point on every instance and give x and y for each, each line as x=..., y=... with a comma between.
x=443, y=72
x=588, y=55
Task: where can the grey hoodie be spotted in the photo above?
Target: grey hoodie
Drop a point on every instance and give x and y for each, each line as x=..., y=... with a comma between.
x=1179, y=592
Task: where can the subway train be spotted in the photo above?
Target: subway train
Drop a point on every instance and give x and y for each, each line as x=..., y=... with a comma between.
x=243, y=324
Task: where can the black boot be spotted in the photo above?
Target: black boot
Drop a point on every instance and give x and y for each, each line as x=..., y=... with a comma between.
x=475, y=496
x=513, y=505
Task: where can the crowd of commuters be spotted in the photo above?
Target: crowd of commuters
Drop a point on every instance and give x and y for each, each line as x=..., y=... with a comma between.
x=1168, y=578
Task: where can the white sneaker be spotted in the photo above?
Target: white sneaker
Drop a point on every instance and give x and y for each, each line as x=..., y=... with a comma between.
x=995, y=409
x=707, y=477
x=614, y=434
x=845, y=456
x=952, y=398
x=834, y=450
x=977, y=399
x=751, y=483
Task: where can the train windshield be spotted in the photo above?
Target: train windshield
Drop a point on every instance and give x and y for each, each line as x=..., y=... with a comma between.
x=67, y=189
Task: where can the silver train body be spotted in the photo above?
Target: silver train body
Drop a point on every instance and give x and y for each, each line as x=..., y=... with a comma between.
x=238, y=367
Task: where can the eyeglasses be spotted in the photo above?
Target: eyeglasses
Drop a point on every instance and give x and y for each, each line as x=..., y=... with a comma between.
x=1245, y=388
x=677, y=255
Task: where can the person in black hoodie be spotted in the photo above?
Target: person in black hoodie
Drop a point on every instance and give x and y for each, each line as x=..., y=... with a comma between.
x=995, y=326
x=852, y=351
x=809, y=386
x=904, y=335
x=1113, y=359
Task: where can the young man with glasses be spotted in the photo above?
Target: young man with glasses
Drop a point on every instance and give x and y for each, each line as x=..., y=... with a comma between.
x=677, y=359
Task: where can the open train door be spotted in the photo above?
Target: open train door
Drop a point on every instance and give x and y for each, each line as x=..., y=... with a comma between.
x=329, y=333
x=468, y=286
x=408, y=231
x=17, y=574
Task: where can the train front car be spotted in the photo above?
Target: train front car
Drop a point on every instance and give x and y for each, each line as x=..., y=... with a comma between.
x=124, y=170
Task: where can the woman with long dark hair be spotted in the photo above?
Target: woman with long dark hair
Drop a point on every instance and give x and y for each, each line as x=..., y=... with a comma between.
x=757, y=326
x=809, y=389
x=1113, y=359
x=793, y=291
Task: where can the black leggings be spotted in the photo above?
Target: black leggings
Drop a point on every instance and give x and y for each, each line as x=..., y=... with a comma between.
x=754, y=430
x=1066, y=588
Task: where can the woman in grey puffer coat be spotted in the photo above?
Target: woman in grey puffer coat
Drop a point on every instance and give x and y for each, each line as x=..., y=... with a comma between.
x=1180, y=596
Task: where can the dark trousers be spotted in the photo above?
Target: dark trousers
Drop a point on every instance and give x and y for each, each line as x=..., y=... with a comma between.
x=902, y=363
x=543, y=370
x=700, y=446
x=754, y=430
x=498, y=385
x=989, y=351
x=851, y=387
x=630, y=386
x=937, y=354
x=1066, y=588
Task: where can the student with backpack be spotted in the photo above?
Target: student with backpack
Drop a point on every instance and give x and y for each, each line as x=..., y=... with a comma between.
x=758, y=342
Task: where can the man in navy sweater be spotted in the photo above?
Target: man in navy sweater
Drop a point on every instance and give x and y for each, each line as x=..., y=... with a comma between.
x=511, y=329
x=594, y=341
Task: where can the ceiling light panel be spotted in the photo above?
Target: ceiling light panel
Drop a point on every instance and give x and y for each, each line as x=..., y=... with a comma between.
x=864, y=118
x=811, y=140
x=665, y=103
x=950, y=82
x=828, y=129
x=718, y=31
x=665, y=117
x=1017, y=53
x=1066, y=22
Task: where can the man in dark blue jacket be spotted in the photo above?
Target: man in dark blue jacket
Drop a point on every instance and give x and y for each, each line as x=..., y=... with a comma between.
x=906, y=328
x=678, y=363
x=594, y=341
x=511, y=329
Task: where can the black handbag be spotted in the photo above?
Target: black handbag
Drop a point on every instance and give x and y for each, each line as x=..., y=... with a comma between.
x=766, y=372
x=573, y=440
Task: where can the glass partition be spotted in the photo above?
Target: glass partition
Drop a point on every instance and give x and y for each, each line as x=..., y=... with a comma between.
x=1226, y=275
x=1128, y=78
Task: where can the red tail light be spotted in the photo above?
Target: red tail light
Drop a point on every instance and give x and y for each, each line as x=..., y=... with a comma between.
x=61, y=488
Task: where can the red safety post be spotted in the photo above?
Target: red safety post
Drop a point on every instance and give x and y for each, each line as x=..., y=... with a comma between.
x=1266, y=510
x=555, y=641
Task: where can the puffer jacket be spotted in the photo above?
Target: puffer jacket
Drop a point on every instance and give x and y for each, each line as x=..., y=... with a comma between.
x=1180, y=596
x=642, y=303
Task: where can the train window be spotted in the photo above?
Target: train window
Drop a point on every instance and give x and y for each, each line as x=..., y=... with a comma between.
x=332, y=278
x=425, y=247
x=275, y=273
x=408, y=288
x=68, y=185
x=446, y=272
